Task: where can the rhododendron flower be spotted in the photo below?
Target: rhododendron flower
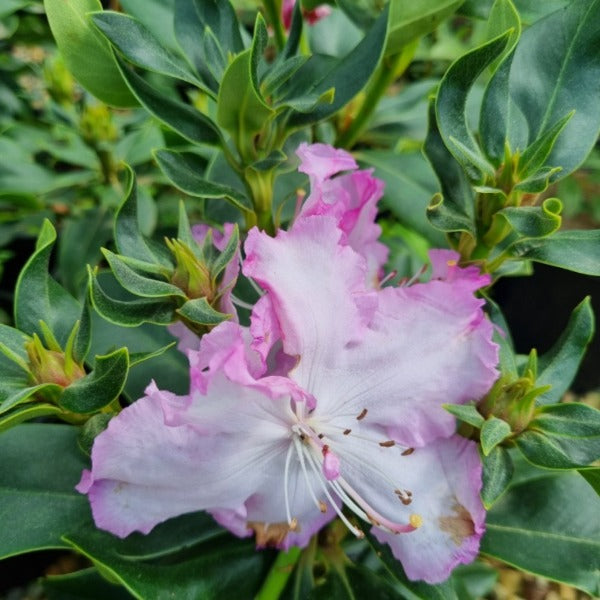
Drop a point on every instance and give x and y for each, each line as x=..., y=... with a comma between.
x=311, y=16
x=351, y=198
x=329, y=404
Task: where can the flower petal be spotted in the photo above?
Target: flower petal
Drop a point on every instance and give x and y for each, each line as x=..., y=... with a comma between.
x=427, y=344
x=316, y=288
x=321, y=161
x=445, y=481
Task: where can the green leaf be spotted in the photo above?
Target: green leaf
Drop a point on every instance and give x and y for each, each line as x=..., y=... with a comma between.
x=347, y=75
x=493, y=432
x=182, y=118
x=503, y=17
x=560, y=364
x=240, y=108
x=28, y=412
x=574, y=250
x=566, y=79
x=497, y=472
x=201, y=312
x=411, y=590
x=86, y=53
x=227, y=255
x=26, y=392
x=562, y=436
x=214, y=571
x=466, y=413
x=448, y=217
x=193, y=18
x=139, y=46
x=549, y=527
x=100, y=387
x=181, y=170
x=137, y=358
x=533, y=221
x=411, y=20
x=86, y=584
x=451, y=102
x=138, y=284
x=38, y=297
x=128, y=237
x=40, y=467
x=592, y=476
x=130, y=313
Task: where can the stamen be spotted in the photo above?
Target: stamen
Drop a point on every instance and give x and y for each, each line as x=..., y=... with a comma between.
x=408, y=452
x=388, y=277
x=300, y=452
x=322, y=506
x=256, y=287
x=316, y=468
x=416, y=520
x=388, y=444
x=235, y=300
x=363, y=414
x=347, y=431
x=415, y=276
x=320, y=436
x=286, y=477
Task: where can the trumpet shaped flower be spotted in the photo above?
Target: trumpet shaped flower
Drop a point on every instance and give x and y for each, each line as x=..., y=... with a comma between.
x=331, y=399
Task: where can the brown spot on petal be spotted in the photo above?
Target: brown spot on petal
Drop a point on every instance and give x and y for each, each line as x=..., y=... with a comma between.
x=408, y=452
x=271, y=534
x=387, y=444
x=459, y=525
x=363, y=414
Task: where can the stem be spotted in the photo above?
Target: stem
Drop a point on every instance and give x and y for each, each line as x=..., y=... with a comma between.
x=279, y=574
x=273, y=10
x=390, y=68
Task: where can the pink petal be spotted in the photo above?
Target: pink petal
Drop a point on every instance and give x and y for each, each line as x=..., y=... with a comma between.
x=445, y=481
x=321, y=161
x=316, y=288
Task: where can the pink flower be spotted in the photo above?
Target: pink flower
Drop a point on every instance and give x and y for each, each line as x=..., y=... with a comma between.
x=351, y=198
x=311, y=16
x=332, y=397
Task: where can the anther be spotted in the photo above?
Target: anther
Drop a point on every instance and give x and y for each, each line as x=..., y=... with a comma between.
x=347, y=431
x=293, y=525
x=408, y=452
x=325, y=449
x=322, y=506
x=362, y=415
x=416, y=520
x=320, y=436
x=387, y=444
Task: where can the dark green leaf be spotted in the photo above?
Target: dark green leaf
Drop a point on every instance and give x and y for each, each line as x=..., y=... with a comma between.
x=130, y=313
x=562, y=436
x=87, y=54
x=410, y=20
x=40, y=467
x=140, y=47
x=534, y=221
x=560, y=364
x=180, y=169
x=448, y=217
x=497, y=472
x=87, y=584
x=39, y=297
x=592, y=476
x=347, y=76
x=451, y=102
x=574, y=250
x=549, y=527
x=100, y=387
x=182, y=118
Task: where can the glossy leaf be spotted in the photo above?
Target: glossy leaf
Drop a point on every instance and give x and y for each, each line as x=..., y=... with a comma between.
x=139, y=46
x=411, y=20
x=467, y=413
x=535, y=92
x=560, y=364
x=38, y=297
x=533, y=221
x=549, y=527
x=451, y=102
x=447, y=217
x=574, y=250
x=100, y=387
x=592, y=476
x=347, y=75
x=40, y=467
x=562, y=436
x=181, y=170
x=182, y=118
x=497, y=473
x=87, y=54
x=493, y=432
x=86, y=584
